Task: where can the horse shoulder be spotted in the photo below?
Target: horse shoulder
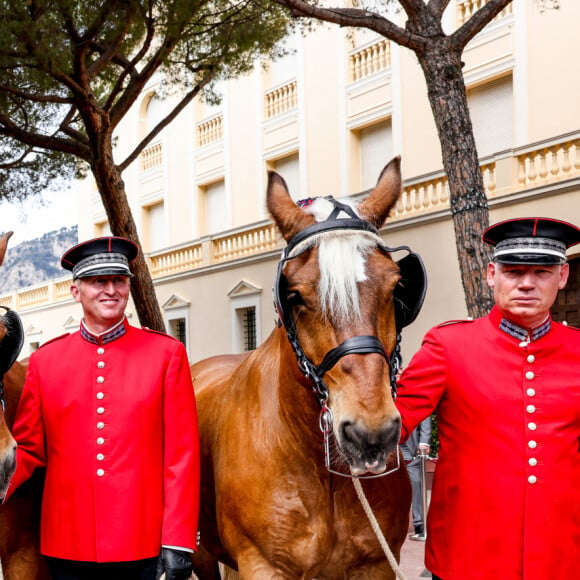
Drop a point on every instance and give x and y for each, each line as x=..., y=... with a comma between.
x=212, y=384
x=215, y=370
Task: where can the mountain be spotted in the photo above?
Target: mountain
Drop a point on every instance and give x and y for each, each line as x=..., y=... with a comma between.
x=36, y=261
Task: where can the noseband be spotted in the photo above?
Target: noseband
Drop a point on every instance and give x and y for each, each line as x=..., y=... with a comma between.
x=361, y=344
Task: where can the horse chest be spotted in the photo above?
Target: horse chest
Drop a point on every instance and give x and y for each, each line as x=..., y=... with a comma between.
x=317, y=530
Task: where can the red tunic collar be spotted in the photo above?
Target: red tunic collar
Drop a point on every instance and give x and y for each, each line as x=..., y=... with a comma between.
x=109, y=335
x=513, y=329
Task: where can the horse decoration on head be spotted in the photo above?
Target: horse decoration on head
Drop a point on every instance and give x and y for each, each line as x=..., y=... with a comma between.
x=20, y=517
x=287, y=427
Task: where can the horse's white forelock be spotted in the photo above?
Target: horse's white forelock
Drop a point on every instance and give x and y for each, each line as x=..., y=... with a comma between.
x=342, y=262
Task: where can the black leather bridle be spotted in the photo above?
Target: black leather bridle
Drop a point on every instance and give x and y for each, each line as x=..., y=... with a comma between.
x=408, y=299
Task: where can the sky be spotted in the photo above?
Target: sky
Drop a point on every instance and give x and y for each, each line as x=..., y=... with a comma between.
x=36, y=216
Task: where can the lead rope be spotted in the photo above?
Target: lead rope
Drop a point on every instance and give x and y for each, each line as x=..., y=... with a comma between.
x=377, y=529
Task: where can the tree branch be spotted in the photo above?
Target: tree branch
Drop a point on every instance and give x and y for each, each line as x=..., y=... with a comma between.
x=66, y=128
x=414, y=7
x=14, y=164
x=438, y=6
x=478, y=22
x=35, y=97
x=10, y=129
x=130, y=67
x=356, y=17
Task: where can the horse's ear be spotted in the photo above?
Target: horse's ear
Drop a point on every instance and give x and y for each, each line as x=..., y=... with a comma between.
x=376, y=207
x=4, y=244
x=289, y=218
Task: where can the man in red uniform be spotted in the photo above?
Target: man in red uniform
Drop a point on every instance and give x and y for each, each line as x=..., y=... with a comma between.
x=505, y=503
x=109, y=411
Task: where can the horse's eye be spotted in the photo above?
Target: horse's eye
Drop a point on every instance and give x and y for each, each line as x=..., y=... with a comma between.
x=295, y=299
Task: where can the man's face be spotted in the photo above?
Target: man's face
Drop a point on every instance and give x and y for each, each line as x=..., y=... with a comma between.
x=525, y=293
x=103, y=298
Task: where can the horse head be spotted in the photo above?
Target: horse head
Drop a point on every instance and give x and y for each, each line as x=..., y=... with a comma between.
x=336, y=295
x=11, y=337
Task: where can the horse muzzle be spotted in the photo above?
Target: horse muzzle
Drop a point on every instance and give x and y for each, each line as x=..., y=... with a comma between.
x=368, y=451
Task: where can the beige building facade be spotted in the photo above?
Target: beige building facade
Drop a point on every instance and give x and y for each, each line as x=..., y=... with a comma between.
x=328, y=117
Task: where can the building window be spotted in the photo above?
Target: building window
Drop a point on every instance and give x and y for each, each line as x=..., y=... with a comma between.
x=289, y=168
x=248, y=326
x=245, y=309
x=492, y=115
x=375, y=150
x=153, y=112
x=177, y=329
x=155, y=231
x=175, y=313
x=33, y=340
x=284, y=68
x=214, y=208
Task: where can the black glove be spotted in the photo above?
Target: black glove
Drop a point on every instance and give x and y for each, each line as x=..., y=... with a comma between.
x=175, y=563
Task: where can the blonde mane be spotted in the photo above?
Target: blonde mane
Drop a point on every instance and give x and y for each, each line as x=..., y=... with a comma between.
x=342, y=256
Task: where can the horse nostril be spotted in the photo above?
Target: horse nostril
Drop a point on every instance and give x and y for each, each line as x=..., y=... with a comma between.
x=376, y=441
x=351, y=433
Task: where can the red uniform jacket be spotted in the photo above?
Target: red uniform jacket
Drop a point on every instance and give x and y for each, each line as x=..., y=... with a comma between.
x=114, y=421
x=506, y=493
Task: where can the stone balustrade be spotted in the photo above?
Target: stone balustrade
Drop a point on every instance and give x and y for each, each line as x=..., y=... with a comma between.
x=548, y=164
x=152, y=157
x=210, y=130
x=368, y=60
x=466, y=9
x=281, y=99
x=175, y=261
x=246, y=243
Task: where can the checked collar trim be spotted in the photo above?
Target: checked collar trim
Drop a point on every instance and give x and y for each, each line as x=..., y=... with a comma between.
x=525, y=334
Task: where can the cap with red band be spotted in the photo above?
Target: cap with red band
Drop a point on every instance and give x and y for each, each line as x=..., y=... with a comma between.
x=531, y=240
x=106, y=256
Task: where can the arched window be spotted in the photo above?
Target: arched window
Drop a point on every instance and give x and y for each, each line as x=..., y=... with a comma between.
x=153, y=112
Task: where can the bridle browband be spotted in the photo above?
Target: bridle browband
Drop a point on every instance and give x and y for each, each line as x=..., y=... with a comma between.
x=361, y=344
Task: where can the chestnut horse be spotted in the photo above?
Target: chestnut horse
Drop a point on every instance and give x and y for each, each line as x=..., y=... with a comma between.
x=19, y=517
x=285, y=429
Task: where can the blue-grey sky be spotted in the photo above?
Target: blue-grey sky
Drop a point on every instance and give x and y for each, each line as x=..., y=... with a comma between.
x=34, y=217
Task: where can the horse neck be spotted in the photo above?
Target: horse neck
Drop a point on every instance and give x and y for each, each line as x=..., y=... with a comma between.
x=297, y=405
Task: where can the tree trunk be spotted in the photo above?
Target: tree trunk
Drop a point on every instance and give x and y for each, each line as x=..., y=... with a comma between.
x=442, y=66
x=112, y=190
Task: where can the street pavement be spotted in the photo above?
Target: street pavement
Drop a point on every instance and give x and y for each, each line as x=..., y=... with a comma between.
x=412, y=554
x=412, y=560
